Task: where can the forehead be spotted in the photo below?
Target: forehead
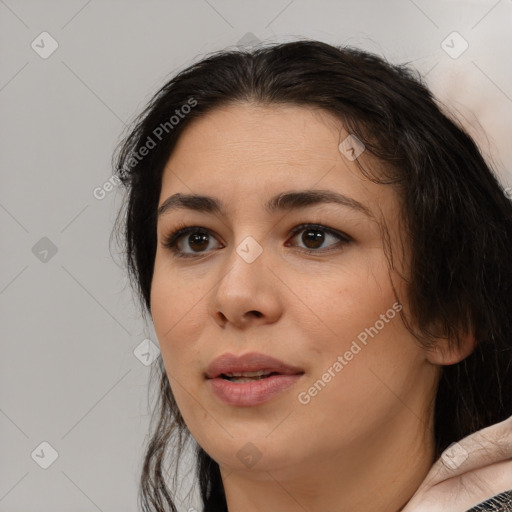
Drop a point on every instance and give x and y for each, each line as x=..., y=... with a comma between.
x=244, y=130
x=246, y=150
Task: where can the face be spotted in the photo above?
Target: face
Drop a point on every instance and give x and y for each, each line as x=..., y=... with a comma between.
x=306, y=282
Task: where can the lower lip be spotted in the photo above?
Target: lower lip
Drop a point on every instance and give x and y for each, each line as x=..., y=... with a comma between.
x=246, y=394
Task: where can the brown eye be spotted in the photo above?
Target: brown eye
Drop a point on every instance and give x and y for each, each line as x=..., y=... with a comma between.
x=189, y=241
x=313, y=237
x=197, y=241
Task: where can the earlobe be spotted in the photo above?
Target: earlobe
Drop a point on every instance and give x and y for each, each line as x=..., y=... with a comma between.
x=443, y=353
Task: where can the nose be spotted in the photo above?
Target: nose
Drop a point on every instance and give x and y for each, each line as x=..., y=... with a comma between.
x=245, y=293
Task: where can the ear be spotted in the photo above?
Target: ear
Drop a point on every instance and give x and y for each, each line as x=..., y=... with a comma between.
x=443, y=354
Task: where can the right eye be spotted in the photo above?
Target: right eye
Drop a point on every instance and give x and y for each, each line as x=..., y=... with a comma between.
x=198, y=240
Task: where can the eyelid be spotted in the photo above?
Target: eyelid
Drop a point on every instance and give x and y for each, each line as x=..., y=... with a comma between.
x=321, y=227
x=169, y=241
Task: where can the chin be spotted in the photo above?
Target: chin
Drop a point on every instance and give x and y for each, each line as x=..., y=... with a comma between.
x=253, y=454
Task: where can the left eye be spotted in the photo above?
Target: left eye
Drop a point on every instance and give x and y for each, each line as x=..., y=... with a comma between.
x=198, y=239
x=313, y=236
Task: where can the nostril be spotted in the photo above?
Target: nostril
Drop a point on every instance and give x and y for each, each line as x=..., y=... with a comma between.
x=223, y=317
x=257, y=314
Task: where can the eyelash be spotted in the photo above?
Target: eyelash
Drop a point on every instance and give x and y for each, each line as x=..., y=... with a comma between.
x=170, y=241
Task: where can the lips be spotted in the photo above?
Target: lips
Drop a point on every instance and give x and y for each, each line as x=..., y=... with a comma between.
x=230, y=365
x=251, y=379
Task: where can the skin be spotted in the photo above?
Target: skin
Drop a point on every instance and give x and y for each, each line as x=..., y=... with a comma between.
x=365, y=442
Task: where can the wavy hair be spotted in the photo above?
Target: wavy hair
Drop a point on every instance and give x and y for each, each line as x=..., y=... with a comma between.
x=456, y=218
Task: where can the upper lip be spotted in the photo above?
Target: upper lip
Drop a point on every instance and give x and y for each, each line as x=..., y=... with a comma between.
x=251, y=362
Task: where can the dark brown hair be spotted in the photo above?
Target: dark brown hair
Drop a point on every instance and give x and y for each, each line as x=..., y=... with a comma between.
x=457, y=220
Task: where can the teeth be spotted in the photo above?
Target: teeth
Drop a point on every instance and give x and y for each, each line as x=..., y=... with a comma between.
x=245, y=379
x=248, y=374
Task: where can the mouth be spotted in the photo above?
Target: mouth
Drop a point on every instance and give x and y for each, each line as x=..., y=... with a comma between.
x=248, y=366
x=250, y=379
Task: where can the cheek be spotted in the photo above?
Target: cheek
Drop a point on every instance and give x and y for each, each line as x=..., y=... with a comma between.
x=357, y=386
x=175, y=315
x=178, y=316
x=357, y=318
x=340, y=308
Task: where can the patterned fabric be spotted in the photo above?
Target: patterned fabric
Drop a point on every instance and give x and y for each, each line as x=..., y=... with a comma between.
x=499, y=503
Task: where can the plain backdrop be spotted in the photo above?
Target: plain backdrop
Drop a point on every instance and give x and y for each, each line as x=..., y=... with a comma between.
x=75, y=354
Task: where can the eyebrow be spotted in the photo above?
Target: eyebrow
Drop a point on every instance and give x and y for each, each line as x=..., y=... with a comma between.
x=285, y=201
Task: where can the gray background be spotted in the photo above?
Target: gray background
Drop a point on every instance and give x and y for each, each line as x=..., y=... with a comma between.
x=74, y=364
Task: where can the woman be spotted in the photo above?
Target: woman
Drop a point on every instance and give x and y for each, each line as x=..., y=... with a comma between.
x=325, y=258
